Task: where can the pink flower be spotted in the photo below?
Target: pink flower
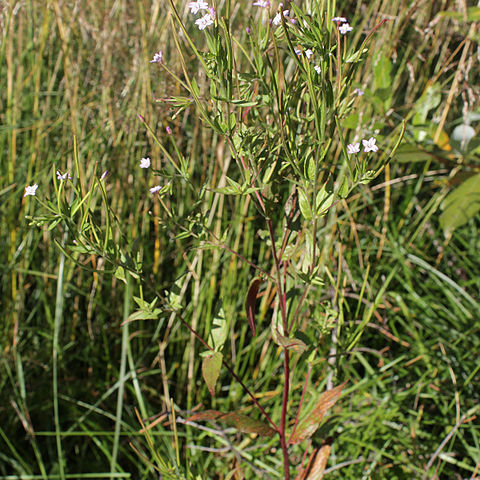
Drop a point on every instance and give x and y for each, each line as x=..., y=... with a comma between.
x=145, y=162
x=30, y=190
x=204, y=22
x=369, y=145
x=278, y=18
x=63, y=176
x=261, y=3
x=353, y=148
x=359, y=92
x=345, y=28
x=196, y=6
x=157, y=58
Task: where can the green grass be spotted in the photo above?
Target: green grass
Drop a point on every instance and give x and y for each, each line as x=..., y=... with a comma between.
x=72, y=376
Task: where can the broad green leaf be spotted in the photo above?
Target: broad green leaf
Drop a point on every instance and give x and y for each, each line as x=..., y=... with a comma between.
x=313, y=416
x=211, y=365
x=381, y=71
x=407, y=153
x=120, y=274
x=429, y=100
x=219, y=331
x=323, y=201
x=351, y=121
x=310, y=170
x=460, y=205
x=304, y=204
x=344, y=188
x=241, y=422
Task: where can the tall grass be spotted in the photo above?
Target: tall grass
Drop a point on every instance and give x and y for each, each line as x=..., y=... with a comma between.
x=75, y=379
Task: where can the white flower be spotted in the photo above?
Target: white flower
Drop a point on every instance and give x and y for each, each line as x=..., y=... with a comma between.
x=369, y=145
x=145, y=162
x=318, y=69
x=261, y=3
x=359, y=92
x=204, y=22
x=298, y=51
x=157, y=58
x=308, y=53
x=63, y=177
x=353, y=148
x=339, y=19
x=30, y=190
x=196, y=6
x=155, y=189
x=278, y=19
x=345, y=28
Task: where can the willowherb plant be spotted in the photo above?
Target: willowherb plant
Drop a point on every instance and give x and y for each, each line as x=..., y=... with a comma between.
x=278, y=100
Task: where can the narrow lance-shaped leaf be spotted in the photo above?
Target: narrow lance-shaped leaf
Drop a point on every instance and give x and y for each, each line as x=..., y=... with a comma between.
x=211, y=370
x=308, y=426
x=241, y=422
x=250, y=302
x=316, y=465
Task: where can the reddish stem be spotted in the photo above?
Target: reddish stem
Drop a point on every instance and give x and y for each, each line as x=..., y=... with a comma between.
x=283, y=421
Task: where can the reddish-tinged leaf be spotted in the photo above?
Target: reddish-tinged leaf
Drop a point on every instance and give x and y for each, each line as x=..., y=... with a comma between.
x=294, y=344
x=250, y=302
x=308, y=426
x=205, y=415
x=211, y=370
x=241, y=422
x=316, y=465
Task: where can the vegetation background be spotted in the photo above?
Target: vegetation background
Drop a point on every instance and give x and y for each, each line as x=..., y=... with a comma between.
x=409, y=410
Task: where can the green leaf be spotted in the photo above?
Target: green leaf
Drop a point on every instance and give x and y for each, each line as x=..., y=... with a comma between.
x=281, y=340
x=410, y=154
x=344, y=188
x=460, y=205
x=211, y=365
x=314, y=415
x=120, y=274
x=144, y=315
x=382, y=71
x=429, y=100
x=310, y=173
x=323, y=201
x=219, y=331
x=473, y=14
x=241, y=422
x=304, y=204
